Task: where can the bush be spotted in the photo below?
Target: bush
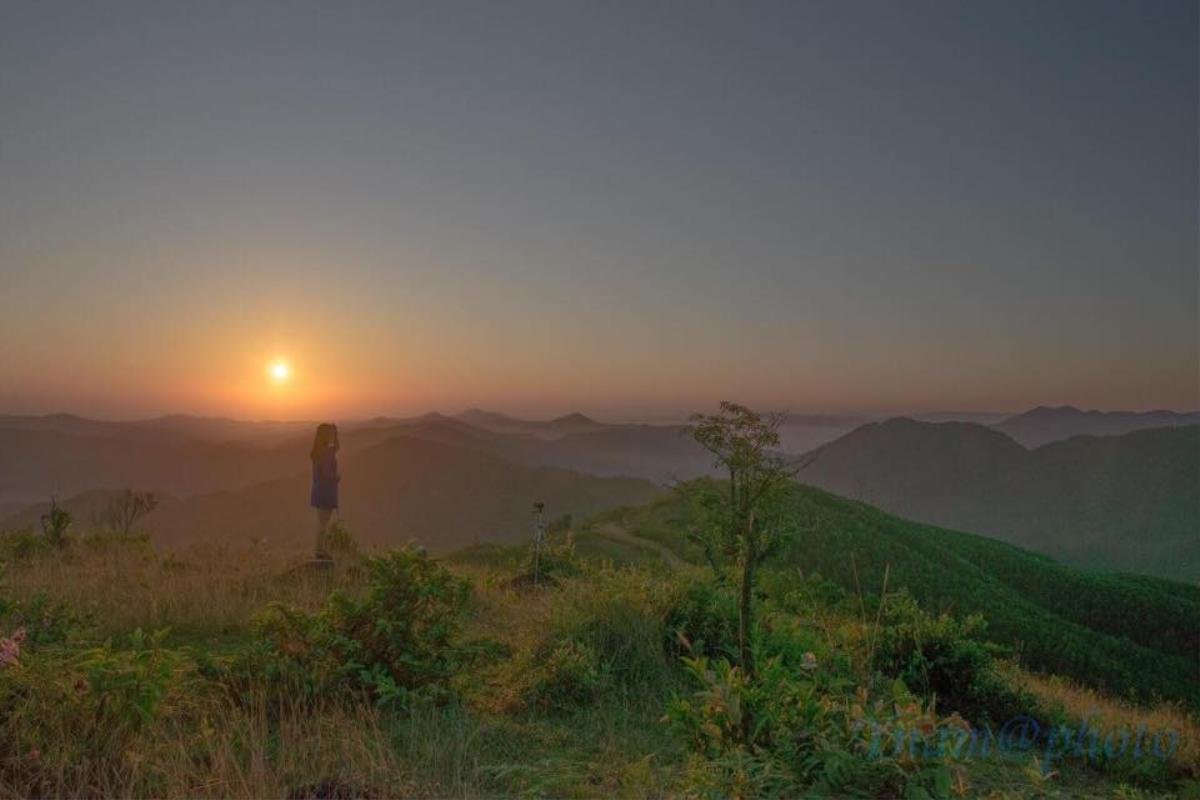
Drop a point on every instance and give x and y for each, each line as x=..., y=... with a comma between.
x=804, y=594
x=22, y=545
x=340, y=544
x=45, y=621
x=84, y=719
x=944, y=658
x=702, y=621
x=119, y=544
x=399, y=637
x=130, y=684
x=606, y=634
x=56, y=524
x=780, y=732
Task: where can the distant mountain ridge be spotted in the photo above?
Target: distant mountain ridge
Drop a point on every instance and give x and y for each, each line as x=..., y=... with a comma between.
x=1128, y=502
x=555, y=428
x=400, y=489
x=1046, y=424
x=64, y=455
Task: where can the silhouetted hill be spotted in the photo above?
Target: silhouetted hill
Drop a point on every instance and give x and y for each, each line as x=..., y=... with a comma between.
x=914, y=468
x=576, y=423
x=402, y=488
x=39, y=462
x=552, y=429
x=179, y=427
x=64, y=455
x=1126, y=502
x=655, y=452
x=1043, y=424
x=659, y=452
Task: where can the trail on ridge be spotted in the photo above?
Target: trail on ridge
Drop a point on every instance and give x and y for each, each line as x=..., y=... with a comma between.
x=616, y=532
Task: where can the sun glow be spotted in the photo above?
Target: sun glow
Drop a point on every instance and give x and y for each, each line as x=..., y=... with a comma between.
x=279, y=371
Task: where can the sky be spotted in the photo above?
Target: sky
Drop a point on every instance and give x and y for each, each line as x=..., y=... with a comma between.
x=619, y=208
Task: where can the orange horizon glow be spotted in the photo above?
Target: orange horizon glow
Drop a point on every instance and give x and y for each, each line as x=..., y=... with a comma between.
x=487, y=232
x=352, y=351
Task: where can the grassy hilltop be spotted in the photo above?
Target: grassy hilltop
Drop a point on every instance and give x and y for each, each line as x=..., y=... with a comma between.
x=1129, y=634
x=230, y=673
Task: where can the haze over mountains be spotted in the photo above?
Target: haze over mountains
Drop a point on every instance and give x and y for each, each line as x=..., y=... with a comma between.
x=1119, y=502
x=399, y=489
x=1129, y=502
x=1043, y=424
x=64, y=454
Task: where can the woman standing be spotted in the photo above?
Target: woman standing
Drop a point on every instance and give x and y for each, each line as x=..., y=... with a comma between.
x=325, y=477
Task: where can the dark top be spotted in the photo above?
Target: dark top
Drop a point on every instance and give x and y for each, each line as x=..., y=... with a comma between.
x=325, y=480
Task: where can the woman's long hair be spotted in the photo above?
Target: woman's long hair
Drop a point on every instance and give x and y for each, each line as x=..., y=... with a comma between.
x=326, y=437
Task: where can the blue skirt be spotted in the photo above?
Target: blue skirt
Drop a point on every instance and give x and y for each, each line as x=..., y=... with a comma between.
x=324, y=494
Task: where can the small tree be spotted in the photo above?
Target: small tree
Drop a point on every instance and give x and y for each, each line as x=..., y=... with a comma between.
x=127, y=508
x=743, y=444
x=55, y=524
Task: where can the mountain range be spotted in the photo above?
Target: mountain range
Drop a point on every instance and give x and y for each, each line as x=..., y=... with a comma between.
x=63, y=455
x=1128, y=502
x=1043, y=424
x=399, y=489
x=1113, y=502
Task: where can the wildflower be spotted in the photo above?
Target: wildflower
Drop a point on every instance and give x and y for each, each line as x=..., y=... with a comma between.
x=10, y=648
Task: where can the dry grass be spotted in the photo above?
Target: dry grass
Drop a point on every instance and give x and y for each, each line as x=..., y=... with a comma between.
x=122, y=586
x=206, y=740
x=220, y=748
x=203, y=741
x=1110, y=715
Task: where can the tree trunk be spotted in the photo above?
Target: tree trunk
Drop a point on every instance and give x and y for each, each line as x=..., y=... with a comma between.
x=745, y=623
x=746, y=615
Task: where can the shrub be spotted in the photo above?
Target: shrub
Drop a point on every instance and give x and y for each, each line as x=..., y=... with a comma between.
x=126, y=508
x=22, y=545
x=55, y=524
x=118, y=544
x=944, y=658
x=46, y=621
x=400, y=636
x=86, y=719
x=606, y=634
x=340, y=543
x=702, y=621
x=129, y=685
x=779, y=732
x=804, y=594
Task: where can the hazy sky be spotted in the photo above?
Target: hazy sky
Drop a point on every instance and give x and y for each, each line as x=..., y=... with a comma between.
x=616, y=207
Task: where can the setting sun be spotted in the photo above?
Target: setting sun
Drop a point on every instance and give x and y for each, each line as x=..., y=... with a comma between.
x=279, y=371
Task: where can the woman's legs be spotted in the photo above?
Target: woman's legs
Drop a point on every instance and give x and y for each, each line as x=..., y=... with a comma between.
x=323, y=517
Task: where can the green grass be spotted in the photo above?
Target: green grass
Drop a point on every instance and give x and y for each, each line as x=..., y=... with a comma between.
x=560, y=691
x=1129, y=635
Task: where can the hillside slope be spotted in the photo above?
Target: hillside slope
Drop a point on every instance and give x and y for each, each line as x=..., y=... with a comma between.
x=1129, y=502
x=1133, y=635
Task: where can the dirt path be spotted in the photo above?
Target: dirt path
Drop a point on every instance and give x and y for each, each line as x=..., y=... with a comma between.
x=617, y=533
